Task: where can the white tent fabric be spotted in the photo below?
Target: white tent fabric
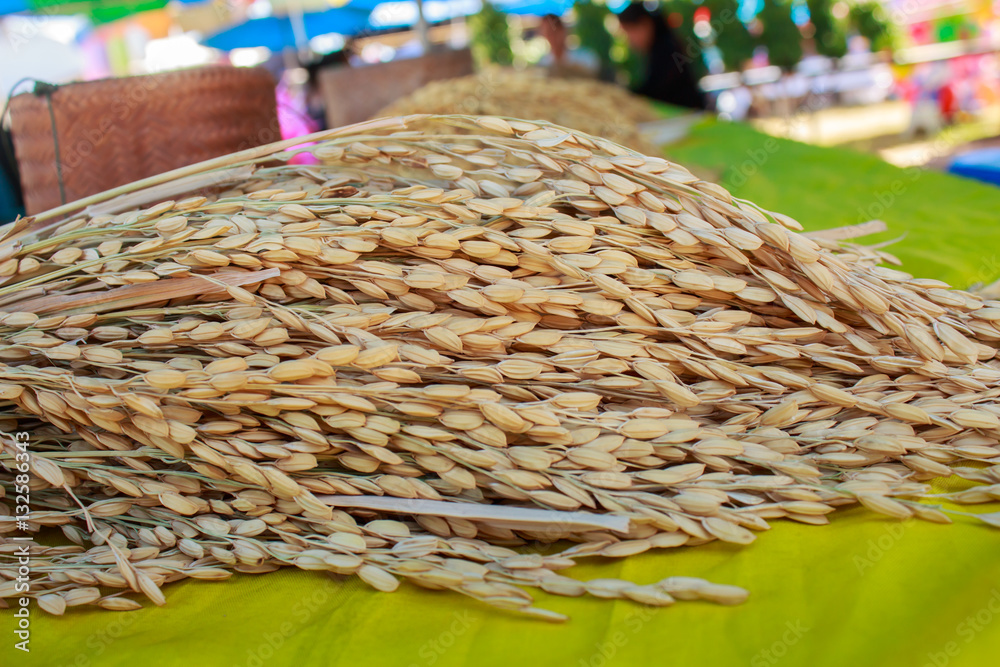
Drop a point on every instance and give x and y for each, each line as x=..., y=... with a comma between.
x=36, y=56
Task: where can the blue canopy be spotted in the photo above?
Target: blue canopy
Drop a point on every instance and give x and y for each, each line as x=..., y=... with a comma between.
x=533, y=7
x=277, y=33
x=12, y=6
x=390, y=14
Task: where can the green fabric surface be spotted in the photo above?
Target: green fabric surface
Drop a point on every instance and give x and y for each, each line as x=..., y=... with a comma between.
x=864, y=591
x=950, y=225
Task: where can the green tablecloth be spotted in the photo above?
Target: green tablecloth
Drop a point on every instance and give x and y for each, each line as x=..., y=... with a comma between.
x=950, y=225
x=865, y=591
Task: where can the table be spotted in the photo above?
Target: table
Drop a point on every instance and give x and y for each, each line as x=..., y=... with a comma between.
x=865, y=591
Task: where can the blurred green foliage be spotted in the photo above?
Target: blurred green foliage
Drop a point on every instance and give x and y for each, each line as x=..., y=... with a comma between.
x=831, y=34
x=679, y=15
x=781, y=36
x=731, y=36
x=490, y=38
x=591, y=28
x=870, y=21
x=594, y=26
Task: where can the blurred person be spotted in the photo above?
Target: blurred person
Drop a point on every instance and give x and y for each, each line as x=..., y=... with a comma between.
x=315, y=104
x=668, y=77
x=11, y=204
x=561, y=60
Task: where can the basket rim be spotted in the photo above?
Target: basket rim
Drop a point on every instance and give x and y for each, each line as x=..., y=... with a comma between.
x=211, y=69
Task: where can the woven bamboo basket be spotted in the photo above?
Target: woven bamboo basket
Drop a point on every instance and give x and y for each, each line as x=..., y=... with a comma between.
x=83, y=138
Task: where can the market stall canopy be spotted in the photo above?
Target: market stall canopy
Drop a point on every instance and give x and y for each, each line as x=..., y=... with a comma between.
x=99, y=11
x=13, y=6
x=279, y=32
x=406, y=13
x=533, y=7
x=288, y=6
x=38, y=58
x=210, y=17
x=442, y=10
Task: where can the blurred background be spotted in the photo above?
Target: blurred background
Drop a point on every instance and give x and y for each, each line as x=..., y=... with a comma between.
x=914, y=82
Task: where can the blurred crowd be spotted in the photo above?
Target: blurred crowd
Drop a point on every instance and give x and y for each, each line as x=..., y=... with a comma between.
x=739, y=58
x=666, y=73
